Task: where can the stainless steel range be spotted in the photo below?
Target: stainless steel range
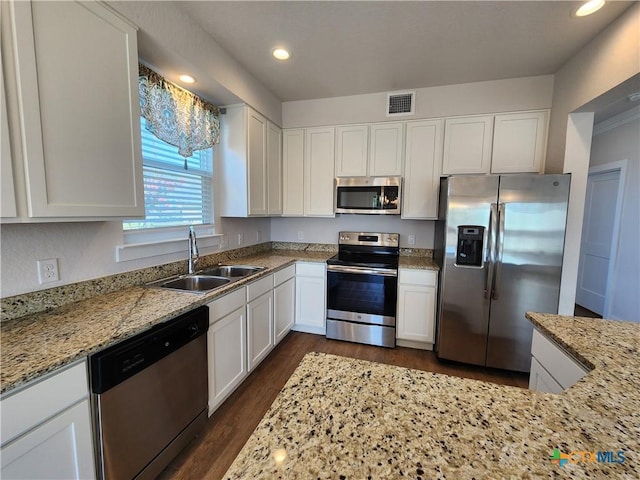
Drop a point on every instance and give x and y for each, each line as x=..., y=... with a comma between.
x=362, y=288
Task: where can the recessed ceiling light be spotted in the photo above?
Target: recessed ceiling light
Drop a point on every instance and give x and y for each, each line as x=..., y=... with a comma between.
x=281, y=54
x=187, y=79
x=588, y=8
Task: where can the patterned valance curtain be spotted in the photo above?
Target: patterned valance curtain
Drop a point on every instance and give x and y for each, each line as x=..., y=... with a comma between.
x=175, y=115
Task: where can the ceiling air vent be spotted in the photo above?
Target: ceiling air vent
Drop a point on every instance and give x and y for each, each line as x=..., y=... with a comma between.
x=401, y=103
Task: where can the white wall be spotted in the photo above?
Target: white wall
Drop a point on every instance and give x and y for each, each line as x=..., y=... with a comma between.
x=607, y=61
x=528, y=93
x=86, y=250
x=325, y=230
x=623, y=143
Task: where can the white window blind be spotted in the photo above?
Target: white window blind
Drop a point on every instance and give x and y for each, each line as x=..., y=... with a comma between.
x=174, y=196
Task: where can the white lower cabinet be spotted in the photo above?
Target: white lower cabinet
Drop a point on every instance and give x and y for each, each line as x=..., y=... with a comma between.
x=416, y=313
x=311, y=298
x=284, y=299
x=260, y=337
x=226, y=346
x=552, y=369
x=46, y=429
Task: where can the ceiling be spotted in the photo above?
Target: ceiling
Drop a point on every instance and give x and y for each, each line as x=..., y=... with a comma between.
x=349, y=48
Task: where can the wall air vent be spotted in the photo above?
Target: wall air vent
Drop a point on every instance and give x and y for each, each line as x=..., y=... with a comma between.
x=401, y=103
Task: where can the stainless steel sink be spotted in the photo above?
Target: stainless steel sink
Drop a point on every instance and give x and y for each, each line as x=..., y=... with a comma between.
x=192, y=283
x=231, y=271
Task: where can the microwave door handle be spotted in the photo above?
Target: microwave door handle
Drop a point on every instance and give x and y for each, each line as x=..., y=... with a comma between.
x=490, y=258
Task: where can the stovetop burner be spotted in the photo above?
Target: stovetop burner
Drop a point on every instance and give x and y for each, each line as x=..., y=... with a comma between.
x=372, y=250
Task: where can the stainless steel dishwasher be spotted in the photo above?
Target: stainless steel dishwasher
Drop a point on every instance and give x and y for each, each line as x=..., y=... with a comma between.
x=149, y=395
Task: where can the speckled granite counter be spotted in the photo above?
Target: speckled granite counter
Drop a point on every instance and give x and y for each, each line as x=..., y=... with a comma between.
x=418, y=263
x=39, y=343
x=345, y=418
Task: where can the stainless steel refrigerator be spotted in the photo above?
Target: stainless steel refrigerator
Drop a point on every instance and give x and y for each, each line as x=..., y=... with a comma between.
x=499, y=242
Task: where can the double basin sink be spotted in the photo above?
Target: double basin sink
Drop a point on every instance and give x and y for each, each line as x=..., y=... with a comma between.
x=208, y=279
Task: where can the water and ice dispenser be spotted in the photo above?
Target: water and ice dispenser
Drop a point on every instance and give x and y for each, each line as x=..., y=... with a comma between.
x=470, y=246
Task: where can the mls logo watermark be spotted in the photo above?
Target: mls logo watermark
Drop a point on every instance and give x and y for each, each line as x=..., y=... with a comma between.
x=582, y=456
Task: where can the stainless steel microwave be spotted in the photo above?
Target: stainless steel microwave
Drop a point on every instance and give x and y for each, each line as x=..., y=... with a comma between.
x=369, y=195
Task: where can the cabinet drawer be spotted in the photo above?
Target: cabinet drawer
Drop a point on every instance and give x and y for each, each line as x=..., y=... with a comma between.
x=564, y=369
x=42, y=400
x=259, y=287
x=427, y=278
x=310, y=269
x=283, y=275
x=223, y=306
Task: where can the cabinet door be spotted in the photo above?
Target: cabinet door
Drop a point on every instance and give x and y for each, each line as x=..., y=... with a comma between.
x=311, y=301
x=59, y=448
x=318, y=172
x=227, y=354
x=416, y=313
x=284, y=296
x=541, y=381
x=422, y=164
x=80, y=120
x=385, y=150
x=519, y=142
x=352, y=150
x=292, y=172
x=274, y=164
x=7, y=191
x=257, y=163
x=467, y=145
x=260, y=335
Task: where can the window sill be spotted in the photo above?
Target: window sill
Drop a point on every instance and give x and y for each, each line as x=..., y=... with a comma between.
x=136, y=251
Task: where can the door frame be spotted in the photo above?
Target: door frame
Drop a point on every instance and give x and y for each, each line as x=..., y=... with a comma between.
x=620, y=166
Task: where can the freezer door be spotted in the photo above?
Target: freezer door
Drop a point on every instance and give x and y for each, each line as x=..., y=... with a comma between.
x=533, y=214
x=463, y=309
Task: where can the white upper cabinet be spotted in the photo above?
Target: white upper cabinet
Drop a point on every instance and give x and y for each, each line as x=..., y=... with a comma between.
x=423, y=159
x=8, y=198
x=467, y=145
x=76, y=80
x=519, y=142
x=319, y=172
x=352, y=147
x=274, y=167
x=248, y=164
x=293, y=172
x=386, y=144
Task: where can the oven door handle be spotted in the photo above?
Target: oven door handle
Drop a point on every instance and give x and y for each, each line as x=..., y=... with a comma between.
x=384, y=272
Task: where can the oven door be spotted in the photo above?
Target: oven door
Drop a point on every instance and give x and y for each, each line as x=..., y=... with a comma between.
x=362, y=295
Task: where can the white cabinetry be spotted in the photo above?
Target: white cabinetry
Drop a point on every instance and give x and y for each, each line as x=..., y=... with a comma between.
x=519, y=142
x=386, y=143
x=467, y=145
x=293, y=172
x=352, y=147
x=226, y=346
x=416, y=308
x=319, y=172
x=311, y=298
x=46, y=428
x=8, y=198
x=260, y=336
x=78, y=121
x=422, y=164
x=552, y=369
x=284, y=295
x=274, y=167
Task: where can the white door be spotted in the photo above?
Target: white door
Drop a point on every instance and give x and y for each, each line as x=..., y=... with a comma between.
x=600, y=214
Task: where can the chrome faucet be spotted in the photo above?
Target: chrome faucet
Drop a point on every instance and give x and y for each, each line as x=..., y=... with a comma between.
x=193, y=250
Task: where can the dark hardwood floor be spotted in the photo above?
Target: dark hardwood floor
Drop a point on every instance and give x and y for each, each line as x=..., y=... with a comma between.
x=212, y=452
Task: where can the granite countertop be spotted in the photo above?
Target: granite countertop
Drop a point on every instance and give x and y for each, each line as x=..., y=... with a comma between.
x=39, y=343
x=352, y=419
x=418, y=263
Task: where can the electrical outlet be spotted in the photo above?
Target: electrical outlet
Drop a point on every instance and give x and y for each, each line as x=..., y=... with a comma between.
x=258, y=236
x=240, y=238
x=300, y=235
x=48, y=270
x=411, y=239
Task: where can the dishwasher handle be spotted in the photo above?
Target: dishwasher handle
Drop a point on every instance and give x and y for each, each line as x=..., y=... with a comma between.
x=115, y=364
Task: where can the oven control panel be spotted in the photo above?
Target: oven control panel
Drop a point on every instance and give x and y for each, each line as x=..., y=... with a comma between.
x=368, y=238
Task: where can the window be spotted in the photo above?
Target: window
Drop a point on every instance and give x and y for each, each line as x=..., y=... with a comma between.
x=174, y=196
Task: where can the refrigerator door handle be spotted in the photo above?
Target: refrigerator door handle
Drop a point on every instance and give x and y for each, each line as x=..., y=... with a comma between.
x=490, y=261
x=499, y=251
